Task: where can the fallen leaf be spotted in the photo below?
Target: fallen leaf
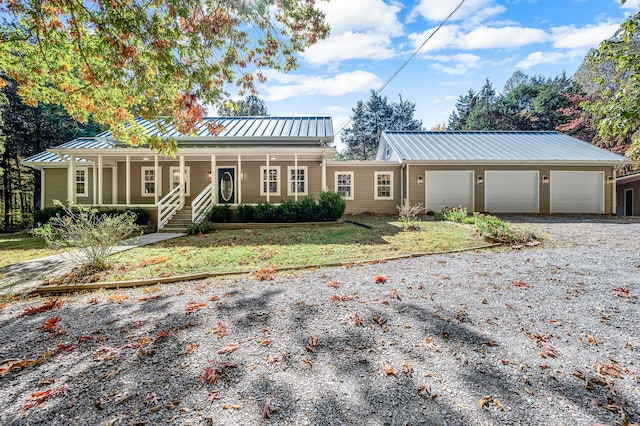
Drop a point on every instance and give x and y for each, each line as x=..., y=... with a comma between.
x=522, y=284
x=379, y=279
x=47, y=306
x=268, y=410
x=232, y=347
x=387, y=370
x=193, y=306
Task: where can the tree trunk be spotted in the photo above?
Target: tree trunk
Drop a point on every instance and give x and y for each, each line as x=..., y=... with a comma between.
x=6, y=193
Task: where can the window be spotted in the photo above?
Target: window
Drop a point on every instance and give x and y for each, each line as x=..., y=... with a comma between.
x=82, y=184
x=383, y=186
x=270, y=180
x=298, y=178
x=175, y=178
x=149, y=181
x=344, y=184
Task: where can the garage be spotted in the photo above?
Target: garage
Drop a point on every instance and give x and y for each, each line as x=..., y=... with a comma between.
x=449, y=189
x=577, y=192
x=508, y=191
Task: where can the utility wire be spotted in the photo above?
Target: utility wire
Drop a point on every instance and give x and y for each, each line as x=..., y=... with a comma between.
x=395, y=74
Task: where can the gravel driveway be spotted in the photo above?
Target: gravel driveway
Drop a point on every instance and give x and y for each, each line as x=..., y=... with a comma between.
x=549, y=335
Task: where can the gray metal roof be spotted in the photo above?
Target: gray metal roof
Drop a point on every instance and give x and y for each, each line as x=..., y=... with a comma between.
x=493, y=146
x=248, y=127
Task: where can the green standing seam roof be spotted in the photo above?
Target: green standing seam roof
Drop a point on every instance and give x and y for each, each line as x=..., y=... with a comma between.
x=493, y=146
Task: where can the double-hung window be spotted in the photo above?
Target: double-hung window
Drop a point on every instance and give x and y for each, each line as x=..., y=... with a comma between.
x=148, y=183
x=82, y=183
x=175, y=178
x=270, y=180
x=383, y=186
x=344, y=184
x=297, y=180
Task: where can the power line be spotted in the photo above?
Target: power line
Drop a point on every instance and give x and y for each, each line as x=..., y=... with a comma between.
x=395, y=74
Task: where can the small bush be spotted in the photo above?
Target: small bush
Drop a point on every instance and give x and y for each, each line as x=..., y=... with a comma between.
x=203, y=227
x=431, y=213
x=143, y=217
x=455, y=214
x=94, y=235
x=43, y=215
x=264, y=212
x=245, y=212
x=331, y=206
x=408, y=214
x=497, y=230
x=308, y=210
x=219, y=213
x=287, y=211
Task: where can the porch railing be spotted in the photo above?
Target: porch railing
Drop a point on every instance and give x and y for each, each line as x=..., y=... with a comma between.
x=169, y=205
x=201, y=204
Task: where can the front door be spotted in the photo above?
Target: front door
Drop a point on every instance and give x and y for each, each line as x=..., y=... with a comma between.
x=226, y=185
x=628, y=202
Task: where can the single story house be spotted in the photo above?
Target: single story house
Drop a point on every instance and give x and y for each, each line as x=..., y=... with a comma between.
x=628, y=195
x=272, y=159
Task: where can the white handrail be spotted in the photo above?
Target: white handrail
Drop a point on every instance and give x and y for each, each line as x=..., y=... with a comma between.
x=169, y=205
x=201, y=204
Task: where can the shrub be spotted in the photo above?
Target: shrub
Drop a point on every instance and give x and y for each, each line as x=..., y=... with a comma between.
x=455, y=214
x=308, y=210
x=497, y=230
x=288, y=211
x=408, y=214
x=245, y=212
x=43, y=215
x=203, y=227
x=219, y=213
x=143, y=217
x=331, y=206
x=92, y=234
x=264, y=212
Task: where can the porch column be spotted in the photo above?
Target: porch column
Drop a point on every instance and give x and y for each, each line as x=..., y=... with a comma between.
x=267, y=178
x=239, y=178
x=323, y=163
x=42, y=194
x=128, y=180
x=100, y=180
x=214, y=180
x=295, y=174
x=72, y=180
x=407, y=186
x=155, y=179
x=114, y=183
x=94, y=177
x=182, y=189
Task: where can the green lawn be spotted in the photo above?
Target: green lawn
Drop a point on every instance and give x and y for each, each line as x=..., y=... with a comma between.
x=20, y=246
x=254, y=249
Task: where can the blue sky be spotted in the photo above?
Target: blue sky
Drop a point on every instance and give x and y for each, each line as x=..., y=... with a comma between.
x=370, y=39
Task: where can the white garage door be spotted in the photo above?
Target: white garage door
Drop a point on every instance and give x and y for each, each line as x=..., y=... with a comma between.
x=449, y=189
x=511, y=191
x=577, y=192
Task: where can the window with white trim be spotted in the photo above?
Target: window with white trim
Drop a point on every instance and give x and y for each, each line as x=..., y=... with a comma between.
x=175, y=178
x=270, y=180
x=383, y=186
x=297, y=178
x=82, y=182
x=344, y=184
x=148, y=183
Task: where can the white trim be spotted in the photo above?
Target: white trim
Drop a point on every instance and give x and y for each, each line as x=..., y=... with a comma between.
x=85, y=181
x=305, y=180
x=262, y=180
x=351, y=183
x=187, y=175
x=375, y=185
x=625, y=201
x=157, y=181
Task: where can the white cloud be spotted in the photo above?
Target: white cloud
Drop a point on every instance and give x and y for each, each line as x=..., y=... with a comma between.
x=456, y=64
x=570, y=37
x=474, y=10
x=350, y=46
x=630, y=4
x=539, y=57
x=295, y=86
x=481, y=37
x=360, y=29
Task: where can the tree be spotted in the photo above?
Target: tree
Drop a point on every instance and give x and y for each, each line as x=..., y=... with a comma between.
x=370, y=119
x=251, y=106
x=169, y=58
x=616, y=108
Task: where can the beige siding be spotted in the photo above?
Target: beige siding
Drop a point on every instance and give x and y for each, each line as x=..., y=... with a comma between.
x=55, y=186
x=363, y=189
x=635, y=186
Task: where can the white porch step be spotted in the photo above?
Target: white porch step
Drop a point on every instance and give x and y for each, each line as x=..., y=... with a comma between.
x=179, y=221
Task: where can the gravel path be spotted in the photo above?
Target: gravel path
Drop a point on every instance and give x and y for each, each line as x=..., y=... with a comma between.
x=549, y=335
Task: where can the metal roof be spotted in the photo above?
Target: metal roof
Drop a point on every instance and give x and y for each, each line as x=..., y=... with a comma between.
x=247, y=127
x=493, y=146
x=86, y=143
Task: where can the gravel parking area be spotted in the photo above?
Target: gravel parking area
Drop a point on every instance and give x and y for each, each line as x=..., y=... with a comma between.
x=547, y=335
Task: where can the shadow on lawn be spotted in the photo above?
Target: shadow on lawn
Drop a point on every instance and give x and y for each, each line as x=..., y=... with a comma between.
x=309, y=360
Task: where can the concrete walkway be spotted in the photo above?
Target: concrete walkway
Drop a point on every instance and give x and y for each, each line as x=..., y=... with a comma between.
x=24, y=277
